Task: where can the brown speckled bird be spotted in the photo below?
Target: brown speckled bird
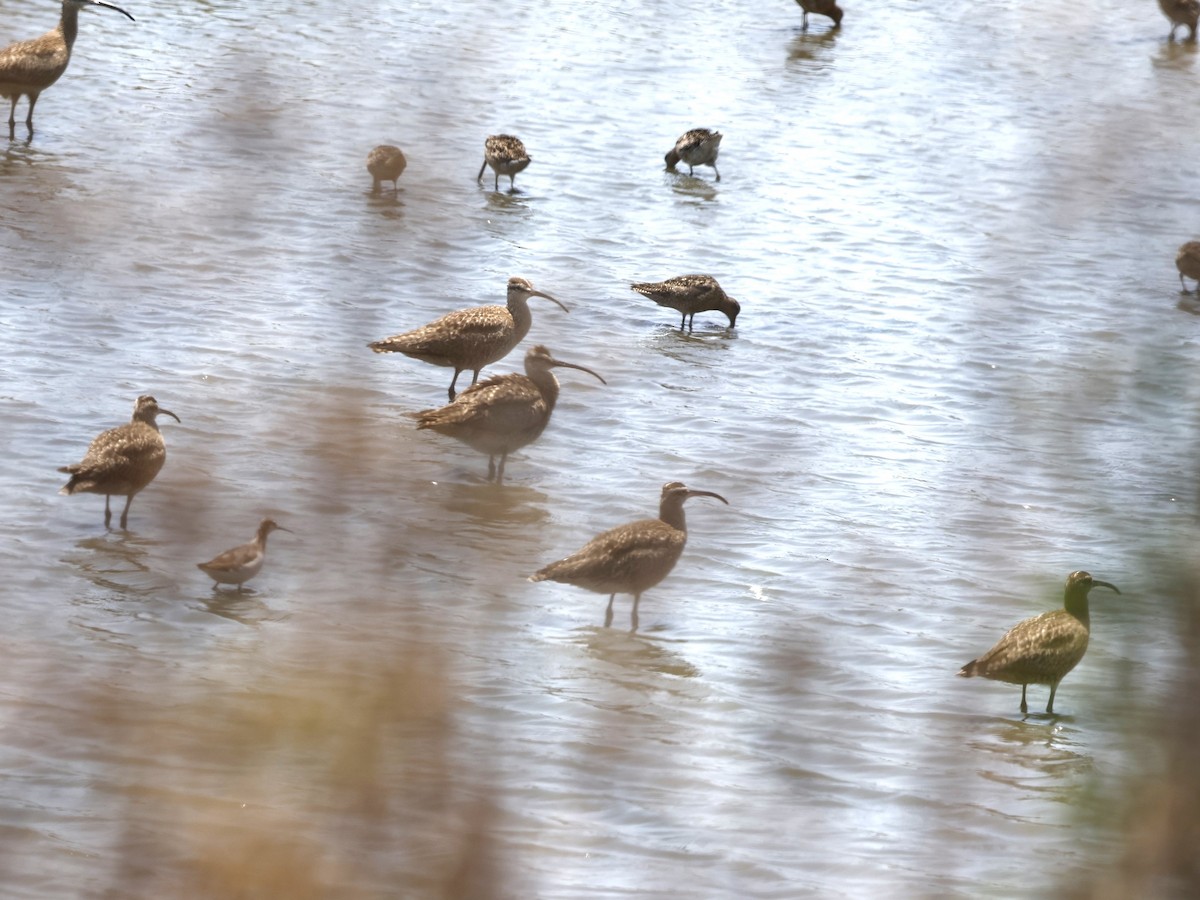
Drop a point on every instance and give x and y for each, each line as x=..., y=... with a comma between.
x=506, y=155
x=29, y=67
x=1042, y=650
x=470, y=338
x=698, y=147
x=122, y=460
x=386, y=163
x=821, y=8
x=1181, y=12
x=239, y=565
x=632, y=558
x=505, y=412
x=1187, y=261
x=690, y=294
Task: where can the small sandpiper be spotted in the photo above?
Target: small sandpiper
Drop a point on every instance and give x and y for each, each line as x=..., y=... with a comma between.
x=239, y=565
x=386, y=163
x=698, y=147
x=506, y=155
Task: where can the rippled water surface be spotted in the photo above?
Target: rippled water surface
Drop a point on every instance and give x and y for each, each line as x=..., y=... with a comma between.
x=962, y=370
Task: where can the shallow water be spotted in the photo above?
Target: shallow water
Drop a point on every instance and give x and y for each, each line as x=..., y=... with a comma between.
x=963, y=369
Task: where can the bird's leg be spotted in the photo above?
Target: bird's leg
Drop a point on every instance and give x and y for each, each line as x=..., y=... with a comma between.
x=633, y=616
x=239, y=587
x=682, y=321
x=500, y=470
x=453, y=382
x=125, y=512
x=491, y=467
x=714, y=165
x=691, y=169
x=1024, y=705
x=608, y=611
x=107, y=512
x=1183, y=284
x=496, y=182
x=12, y=113
x=29, y=118
x=475, y=378
x=1050, y=705
x=479, y=178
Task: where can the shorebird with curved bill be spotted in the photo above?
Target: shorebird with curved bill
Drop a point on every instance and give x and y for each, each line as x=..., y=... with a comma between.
x=632, y=558
x=239, y=565
x=386, y=163
x=470, y=338
x=122, y=460
x=505, y=412
x=1042, y=650
x=1187, y=261
x=29, y=67
x=698, y=147
x=821, y=8
x=1181, y=12
x=506, y=155
x=688, y=295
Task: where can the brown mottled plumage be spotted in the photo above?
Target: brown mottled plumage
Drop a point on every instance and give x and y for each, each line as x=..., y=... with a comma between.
x=1181, y=12
x=470, y=338
x=629, y=559
x=386, y=163
x=239, y=565
x=821, y=8
x=698, y=147
x=506, y=155
x=122, y=460
x=690, y=294
x=1187, y=261
x=505, y=412
x=29, y=67
x=1042, y=650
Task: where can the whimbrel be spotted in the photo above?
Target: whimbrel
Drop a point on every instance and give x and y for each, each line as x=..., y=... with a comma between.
x=385, y=163
x=505, y=412
x=629, y=559
x=470, y=338
x=698, y=147
x=1042, y=650
x=506, y=155
x=29, y=67
x=122, y=460
x=690, y=294
x=822, y=8
x=239, y=565
x=1181, y=12
x=1187, y=261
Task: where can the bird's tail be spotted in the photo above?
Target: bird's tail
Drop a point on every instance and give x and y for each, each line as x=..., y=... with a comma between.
x=968, y=670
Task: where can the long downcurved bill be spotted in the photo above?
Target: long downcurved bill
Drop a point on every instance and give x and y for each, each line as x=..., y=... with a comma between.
x=567, y=365
x=110, y=6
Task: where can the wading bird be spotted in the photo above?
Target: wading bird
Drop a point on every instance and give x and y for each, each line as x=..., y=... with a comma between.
x=470, y=338
x=1042, y=650
x=29, y=67
x=122, y=460
x=632, y=558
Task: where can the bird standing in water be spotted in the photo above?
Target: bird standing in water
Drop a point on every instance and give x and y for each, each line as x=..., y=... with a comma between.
x=29, y=67
x=698, y=147
x=688, y=295
x=470, y=338
x=239, y=565
x=1042, y=650
x=506, y=155
x=632, y=558
x=122, y=460
x=505, y=412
